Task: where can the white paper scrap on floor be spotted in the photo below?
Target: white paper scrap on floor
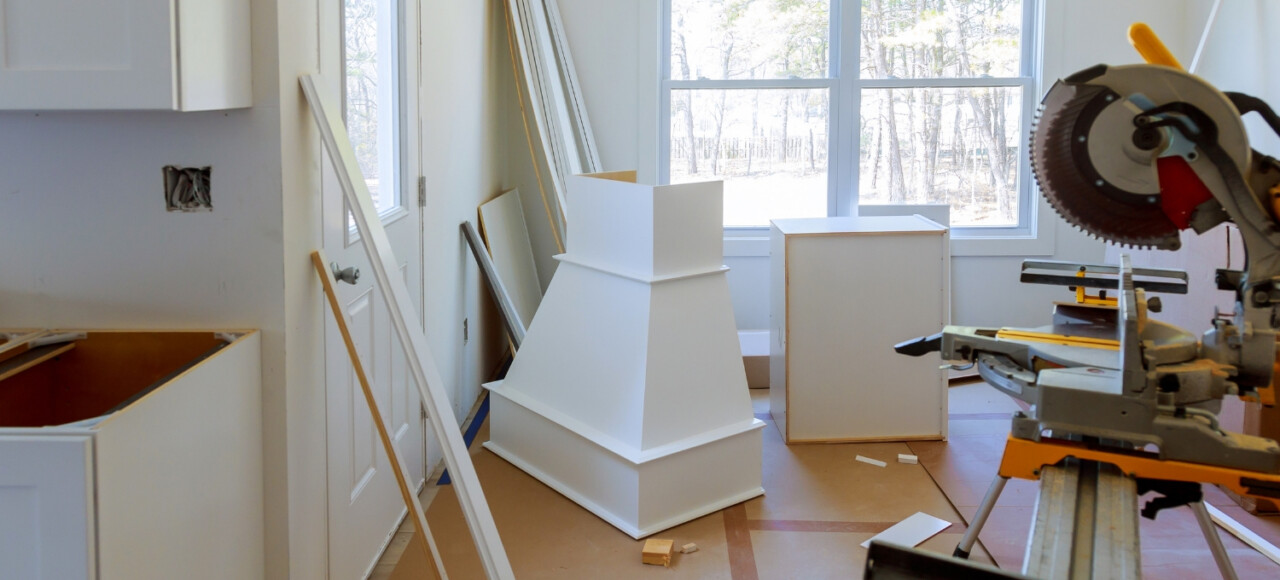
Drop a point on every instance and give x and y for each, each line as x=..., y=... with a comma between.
x=911, y=531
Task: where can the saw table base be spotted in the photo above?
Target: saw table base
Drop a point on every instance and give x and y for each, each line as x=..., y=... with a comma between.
x=1086, y=515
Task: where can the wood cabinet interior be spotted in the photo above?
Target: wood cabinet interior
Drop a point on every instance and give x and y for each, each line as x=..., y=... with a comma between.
x=96, y=375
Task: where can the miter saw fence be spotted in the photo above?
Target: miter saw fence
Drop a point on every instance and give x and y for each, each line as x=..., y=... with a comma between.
x=1133, y=155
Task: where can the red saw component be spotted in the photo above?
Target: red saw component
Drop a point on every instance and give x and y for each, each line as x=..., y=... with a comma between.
x=1181, y=190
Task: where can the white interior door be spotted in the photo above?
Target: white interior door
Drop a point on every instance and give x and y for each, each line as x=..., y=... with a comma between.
x=366, y=42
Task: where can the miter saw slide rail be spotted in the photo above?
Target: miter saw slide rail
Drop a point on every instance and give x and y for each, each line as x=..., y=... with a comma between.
x=1086, y=275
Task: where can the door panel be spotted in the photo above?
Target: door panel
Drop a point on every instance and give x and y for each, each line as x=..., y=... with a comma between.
x=365, y=506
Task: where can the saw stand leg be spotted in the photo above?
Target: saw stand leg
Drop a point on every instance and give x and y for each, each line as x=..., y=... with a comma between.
x=1215, y=541
x=980, y=518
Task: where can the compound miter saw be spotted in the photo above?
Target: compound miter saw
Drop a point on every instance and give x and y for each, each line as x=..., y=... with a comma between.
x=1133, y=155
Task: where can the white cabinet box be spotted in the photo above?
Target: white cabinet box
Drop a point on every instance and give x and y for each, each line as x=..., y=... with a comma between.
x=132, y=455
x=181, y=55
x=843, y=291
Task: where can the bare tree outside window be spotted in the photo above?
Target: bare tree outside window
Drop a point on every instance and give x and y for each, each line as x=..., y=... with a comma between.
x=770, y=145
x=940, y=93
x=368, y=105
x=939, y=144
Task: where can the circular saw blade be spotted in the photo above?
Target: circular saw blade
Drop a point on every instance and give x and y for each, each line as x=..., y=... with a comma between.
x=1063, y=175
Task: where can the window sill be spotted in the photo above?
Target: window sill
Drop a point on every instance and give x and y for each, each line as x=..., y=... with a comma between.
x=754, y=242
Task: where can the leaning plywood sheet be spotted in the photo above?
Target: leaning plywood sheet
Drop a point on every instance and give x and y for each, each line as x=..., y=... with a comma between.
x=502, y=222
x=420, y=361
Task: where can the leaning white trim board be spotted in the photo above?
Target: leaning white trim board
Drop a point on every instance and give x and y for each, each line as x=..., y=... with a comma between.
x=1246, y=535
x=422, y=365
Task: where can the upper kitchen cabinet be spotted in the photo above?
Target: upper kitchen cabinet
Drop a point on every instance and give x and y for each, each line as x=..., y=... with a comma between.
x=178, y=55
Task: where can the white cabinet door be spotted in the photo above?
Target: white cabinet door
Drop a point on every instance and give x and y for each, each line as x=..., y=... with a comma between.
x=46, y=508
x=78, y=54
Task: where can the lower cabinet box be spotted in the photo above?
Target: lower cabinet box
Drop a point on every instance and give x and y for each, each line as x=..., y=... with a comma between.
x=132, y=455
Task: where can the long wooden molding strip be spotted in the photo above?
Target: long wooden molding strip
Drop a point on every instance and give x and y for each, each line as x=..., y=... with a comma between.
x=422, y=365
x=30, y=358
x=577, y=105
x=426, y=541
x=528, y=133
x=517, y=20
x=18, y=344
x=515, y=328
x=536, y=32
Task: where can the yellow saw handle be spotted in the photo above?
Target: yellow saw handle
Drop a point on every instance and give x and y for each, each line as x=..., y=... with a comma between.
x=1149, y=46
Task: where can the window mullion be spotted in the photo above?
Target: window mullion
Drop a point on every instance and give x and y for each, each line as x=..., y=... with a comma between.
x=843, y=165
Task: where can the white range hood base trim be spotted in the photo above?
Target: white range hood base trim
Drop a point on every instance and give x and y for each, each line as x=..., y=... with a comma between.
x=612, y=444
x=638, y=498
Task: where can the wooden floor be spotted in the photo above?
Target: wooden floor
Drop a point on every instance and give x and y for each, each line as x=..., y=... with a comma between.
x=818, y=506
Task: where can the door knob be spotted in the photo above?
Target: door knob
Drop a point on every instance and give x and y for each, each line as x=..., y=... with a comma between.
x=348, y=275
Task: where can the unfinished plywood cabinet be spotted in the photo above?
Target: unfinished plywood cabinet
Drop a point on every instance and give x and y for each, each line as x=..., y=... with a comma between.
x=843, y=291
x=132, y=455
x=180, y=55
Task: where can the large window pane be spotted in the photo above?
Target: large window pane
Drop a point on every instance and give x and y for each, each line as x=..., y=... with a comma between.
x=959, y=146
x=370, y=106
x=736, y=39
x=941, y=38
x=769, y=146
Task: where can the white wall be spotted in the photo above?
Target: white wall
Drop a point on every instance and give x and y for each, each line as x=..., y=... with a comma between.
x=87, y=243
x=614, y=44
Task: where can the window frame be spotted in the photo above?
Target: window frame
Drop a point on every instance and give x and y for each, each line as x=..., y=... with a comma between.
x=395, y=21
x=1029, y=237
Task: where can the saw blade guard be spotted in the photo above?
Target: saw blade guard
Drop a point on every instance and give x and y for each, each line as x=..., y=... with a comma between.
x=1119, y=152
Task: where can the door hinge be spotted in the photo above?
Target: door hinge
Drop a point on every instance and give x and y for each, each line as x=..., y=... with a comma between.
x=422, y=191
x=423, y=412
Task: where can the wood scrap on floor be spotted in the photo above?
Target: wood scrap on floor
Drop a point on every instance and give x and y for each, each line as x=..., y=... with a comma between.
x=689, y=548
x=908, y=459
x=875, y=462
x=657, y=552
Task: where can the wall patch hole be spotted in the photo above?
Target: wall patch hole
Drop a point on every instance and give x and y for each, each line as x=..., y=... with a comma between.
x=187, y=188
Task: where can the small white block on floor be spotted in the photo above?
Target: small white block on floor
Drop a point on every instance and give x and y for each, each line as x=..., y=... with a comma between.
x=904, y=458
x=875, y=462
x=911, y=531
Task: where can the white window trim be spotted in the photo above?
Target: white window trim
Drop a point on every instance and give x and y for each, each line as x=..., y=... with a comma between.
x=400, y=130
x=1035, y=237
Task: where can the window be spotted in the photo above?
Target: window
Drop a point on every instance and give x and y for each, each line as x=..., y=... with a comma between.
x=806, y=107
x=370, y=98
